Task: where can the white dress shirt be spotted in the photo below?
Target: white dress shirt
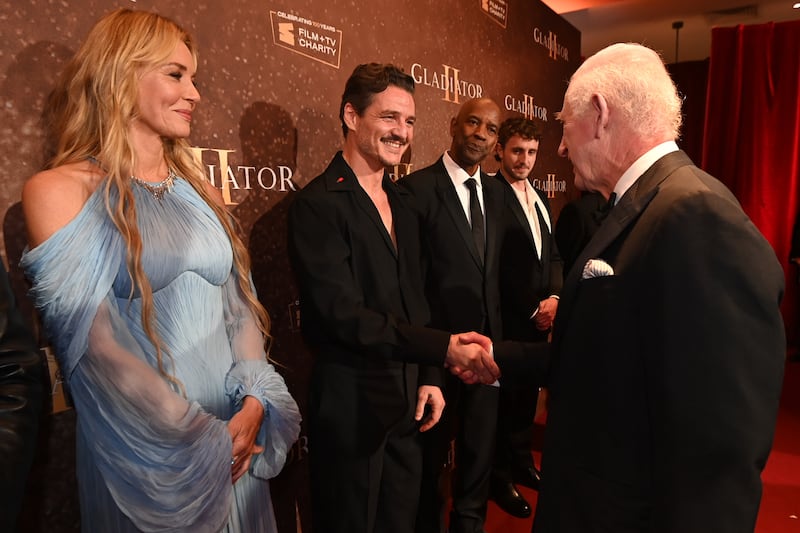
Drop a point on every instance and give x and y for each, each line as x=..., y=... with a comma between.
x=459, y=176
x=641, y=165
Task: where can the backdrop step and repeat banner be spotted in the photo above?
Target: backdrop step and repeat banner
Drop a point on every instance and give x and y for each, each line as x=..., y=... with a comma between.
x=271, y=75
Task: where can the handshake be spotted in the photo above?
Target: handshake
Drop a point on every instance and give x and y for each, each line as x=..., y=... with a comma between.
x=471, y=358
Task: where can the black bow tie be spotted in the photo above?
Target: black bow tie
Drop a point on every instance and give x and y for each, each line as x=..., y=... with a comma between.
x=603, y=210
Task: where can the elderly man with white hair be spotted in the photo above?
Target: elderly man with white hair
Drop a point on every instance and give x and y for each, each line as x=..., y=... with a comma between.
x=668, y=344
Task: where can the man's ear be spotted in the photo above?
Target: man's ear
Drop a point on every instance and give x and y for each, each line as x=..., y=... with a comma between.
x=600, y=107
x=350, y=116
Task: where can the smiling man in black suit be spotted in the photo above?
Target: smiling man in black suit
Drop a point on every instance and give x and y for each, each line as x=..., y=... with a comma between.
x=355, y=251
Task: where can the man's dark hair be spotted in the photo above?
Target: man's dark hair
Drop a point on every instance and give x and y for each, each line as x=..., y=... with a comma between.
x=524, y=127
x=368, y=80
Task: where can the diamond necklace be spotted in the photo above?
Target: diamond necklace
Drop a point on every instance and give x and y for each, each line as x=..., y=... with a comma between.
x=157, y=190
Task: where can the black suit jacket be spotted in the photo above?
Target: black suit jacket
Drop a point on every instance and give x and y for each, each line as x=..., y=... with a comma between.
x=525, y=279
x=20, y=404
x=577, y=222
x=666, y=375
x=362, y=300
x=463, y=291
x=458, y=281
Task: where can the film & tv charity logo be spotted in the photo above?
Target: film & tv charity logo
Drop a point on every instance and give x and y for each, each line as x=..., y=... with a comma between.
x=496, y=9
x=309, y=38
x=448, y=80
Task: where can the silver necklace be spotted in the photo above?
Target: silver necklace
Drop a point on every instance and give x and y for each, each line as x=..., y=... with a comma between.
x=157, y=190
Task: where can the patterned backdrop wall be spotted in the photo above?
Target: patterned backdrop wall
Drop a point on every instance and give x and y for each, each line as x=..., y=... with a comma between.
x=271, y=74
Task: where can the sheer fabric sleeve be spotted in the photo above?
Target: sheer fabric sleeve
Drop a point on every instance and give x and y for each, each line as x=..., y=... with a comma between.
x=253, y=375
x=165, y=461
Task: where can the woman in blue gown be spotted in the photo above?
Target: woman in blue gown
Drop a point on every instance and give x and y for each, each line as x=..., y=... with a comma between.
x=144, y=290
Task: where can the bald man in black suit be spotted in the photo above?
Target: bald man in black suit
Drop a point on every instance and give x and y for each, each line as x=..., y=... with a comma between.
x=461, y=212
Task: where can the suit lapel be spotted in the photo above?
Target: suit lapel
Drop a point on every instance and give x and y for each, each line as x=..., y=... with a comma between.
x=620, y=217
x=342, y=179
x=625, y=213
x=448, y=196
x=516, y=209
x=403, y=216
x=545, y=234
x=493, y=205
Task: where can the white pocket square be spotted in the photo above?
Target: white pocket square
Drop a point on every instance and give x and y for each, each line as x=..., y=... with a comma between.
x=595, y=268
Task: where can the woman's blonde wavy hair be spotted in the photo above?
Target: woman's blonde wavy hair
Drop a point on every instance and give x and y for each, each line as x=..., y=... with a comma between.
x=88, y=115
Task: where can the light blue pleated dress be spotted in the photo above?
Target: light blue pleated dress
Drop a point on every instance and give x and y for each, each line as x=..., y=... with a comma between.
x=148, y=458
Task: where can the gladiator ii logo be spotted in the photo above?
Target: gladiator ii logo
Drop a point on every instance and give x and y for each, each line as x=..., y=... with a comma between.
x=526, y=107
x=550, y=185
x=448, y=80
x=549, y=40
x=226, y=177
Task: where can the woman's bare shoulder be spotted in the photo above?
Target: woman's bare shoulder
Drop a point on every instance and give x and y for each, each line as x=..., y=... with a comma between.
x=53, y=197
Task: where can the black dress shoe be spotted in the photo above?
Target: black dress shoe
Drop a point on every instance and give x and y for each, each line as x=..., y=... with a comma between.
x=506, y=497
x=529, y=477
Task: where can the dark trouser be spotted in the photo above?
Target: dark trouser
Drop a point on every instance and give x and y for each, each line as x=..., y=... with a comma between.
x=472, y=420
x=516, y=411
x=363, y=480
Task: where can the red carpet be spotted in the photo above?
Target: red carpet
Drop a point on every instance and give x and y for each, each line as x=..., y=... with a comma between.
x=780, y=504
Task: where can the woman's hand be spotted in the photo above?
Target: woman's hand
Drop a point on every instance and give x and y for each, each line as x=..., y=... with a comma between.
x=243, y=428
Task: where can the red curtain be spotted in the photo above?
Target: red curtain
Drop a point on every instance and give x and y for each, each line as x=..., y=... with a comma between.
x=691, y=79
x=752, y=134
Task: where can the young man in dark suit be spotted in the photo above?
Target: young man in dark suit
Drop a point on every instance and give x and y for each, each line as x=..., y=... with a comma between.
x=461, y=217
x=354, y=248
x=530, y=282
x=668, y=345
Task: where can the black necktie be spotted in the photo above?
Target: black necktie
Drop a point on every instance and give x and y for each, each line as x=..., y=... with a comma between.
x=476, y=217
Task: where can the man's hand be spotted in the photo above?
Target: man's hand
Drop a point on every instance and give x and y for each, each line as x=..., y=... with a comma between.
x=429, y=395
x=546, y=314
x=469, y=356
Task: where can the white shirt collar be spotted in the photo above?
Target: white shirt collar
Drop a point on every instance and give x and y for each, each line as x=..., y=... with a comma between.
x=458, y=174
x=641, y=165
x=536, y=200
